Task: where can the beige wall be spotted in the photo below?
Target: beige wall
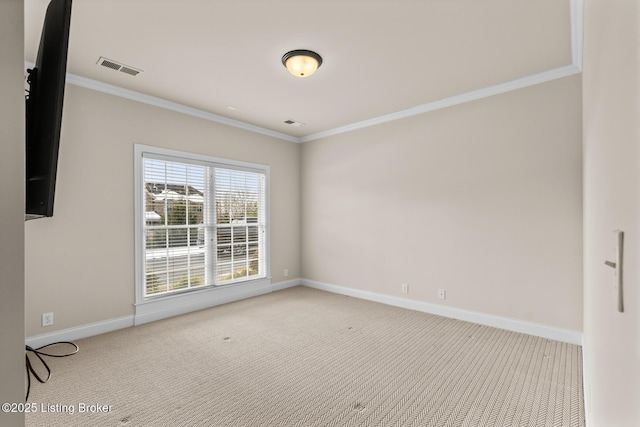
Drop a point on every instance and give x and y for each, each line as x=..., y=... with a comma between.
x=483, y=200
x=80, y=262
x=611, y=201
x=11, y=208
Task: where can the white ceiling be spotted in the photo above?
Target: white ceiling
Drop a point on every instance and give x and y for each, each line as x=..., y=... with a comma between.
x=380, y=56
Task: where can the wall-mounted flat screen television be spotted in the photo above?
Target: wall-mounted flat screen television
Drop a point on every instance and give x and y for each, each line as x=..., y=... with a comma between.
x=44, y=101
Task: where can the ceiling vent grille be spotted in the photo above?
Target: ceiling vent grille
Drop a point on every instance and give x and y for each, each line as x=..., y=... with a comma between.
x=293, y=123
x=114, y=65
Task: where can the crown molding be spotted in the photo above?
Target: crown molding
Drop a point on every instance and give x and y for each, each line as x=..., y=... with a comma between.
x=167, y=105
x=474, y=95
x=577, y=29
x=173, y=106
x=576, y=13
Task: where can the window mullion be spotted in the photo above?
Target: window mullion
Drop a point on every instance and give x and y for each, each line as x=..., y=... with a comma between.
x=211, y=240
x=187, y=222
x=166, y=232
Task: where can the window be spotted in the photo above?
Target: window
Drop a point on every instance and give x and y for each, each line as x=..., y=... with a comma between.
x=201, y=222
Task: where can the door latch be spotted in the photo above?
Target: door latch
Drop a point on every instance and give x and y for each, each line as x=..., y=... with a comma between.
x=617, y=266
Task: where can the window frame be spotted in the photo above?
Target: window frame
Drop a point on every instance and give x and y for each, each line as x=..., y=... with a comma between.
x=151, y=307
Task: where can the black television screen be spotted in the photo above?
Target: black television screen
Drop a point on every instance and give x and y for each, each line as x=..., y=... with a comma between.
x=44, y=102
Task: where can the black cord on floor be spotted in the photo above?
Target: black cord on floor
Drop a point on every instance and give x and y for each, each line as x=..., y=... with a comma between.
x=39, y=355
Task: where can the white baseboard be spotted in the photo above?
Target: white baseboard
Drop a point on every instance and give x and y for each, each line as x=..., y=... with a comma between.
x=558, y=334
x=84, y=331
x=287, y=284
x=165, y=307
x=79, y=332
x=91, y=329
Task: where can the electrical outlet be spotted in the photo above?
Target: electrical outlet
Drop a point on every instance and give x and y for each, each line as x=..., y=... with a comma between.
x=442, y=294
x=47, y=319
x=405, y=288
x=285, y=273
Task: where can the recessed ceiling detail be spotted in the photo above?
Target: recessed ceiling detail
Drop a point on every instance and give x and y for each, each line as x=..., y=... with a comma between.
x=114, y=65
x=439, y=54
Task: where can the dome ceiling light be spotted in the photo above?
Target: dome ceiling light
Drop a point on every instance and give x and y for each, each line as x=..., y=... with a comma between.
x=302, y=62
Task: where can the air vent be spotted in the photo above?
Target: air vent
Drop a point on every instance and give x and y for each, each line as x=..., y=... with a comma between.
x=294, y=123
x=114, y=65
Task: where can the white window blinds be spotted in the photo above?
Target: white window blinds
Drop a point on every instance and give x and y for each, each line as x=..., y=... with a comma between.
x=204, y=224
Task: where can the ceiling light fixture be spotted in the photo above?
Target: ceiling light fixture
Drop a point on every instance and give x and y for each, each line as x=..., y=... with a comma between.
x=302, y=62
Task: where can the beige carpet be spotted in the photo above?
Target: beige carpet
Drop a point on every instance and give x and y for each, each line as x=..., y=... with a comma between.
x=303, y=357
